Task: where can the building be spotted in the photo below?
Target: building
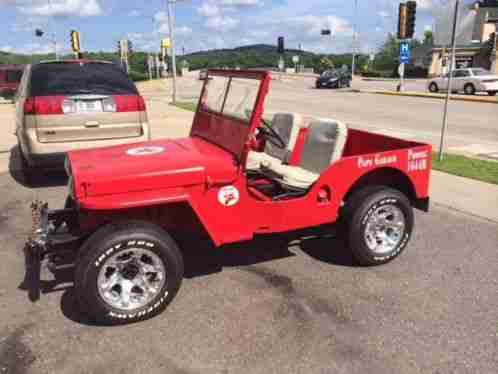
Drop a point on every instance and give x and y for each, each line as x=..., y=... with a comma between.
x=473, y=52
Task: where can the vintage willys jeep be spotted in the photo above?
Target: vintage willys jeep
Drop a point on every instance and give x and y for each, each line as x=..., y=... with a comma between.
x=236, y=176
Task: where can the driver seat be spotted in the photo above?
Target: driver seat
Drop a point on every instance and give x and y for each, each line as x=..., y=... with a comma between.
x=324, y=145
x=287, y=126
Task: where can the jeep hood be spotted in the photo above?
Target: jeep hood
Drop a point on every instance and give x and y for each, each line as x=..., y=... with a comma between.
x=149, y=166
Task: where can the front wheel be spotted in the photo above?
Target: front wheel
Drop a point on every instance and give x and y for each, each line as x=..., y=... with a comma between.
x=433, y=87
x=127, y=273
x=379, y=224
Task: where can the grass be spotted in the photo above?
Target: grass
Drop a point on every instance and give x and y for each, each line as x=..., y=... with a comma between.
x=186, y=105
x=472, y=168
x=481, y=170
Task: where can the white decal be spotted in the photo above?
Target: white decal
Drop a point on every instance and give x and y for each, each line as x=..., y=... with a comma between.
x=145, y=151
x=417, y=160
x=376, y=160
x=228, y=196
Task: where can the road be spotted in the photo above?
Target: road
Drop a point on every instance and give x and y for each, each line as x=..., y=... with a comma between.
x=270, y=306
x=472, y=127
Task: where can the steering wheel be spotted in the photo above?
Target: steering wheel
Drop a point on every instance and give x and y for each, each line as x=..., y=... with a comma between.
x=271, y=135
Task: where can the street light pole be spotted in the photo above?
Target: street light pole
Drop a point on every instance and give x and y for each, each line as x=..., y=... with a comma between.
x=171, y=25
x=353, y=63
x=54, y=30
x=450, y=80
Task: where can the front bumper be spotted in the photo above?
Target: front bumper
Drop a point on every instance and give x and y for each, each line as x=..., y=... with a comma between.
x=53, y=232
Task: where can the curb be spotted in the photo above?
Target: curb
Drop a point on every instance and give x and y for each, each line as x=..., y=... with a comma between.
x=430, y=96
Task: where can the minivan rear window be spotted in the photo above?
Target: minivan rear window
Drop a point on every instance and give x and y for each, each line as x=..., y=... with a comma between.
x=79, y=79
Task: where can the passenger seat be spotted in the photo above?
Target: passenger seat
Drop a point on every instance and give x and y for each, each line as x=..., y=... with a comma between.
x=324, y=145
x=287, y=125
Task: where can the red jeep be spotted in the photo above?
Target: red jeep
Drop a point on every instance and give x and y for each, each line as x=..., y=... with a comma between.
x=237, y=175
x=10, y=77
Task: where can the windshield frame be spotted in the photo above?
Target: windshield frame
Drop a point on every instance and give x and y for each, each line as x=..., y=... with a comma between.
x=230, y=133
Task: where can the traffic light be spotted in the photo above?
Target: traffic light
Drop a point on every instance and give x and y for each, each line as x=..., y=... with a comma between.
x=411, y=16
x=281, y=45
x=402, y=21
x=75, y=41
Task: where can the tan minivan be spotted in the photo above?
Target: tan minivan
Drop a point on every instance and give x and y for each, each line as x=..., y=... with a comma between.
x=67, y=105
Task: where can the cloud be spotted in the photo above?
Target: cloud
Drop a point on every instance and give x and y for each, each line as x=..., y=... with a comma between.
x=222, y=23
x=79, y=8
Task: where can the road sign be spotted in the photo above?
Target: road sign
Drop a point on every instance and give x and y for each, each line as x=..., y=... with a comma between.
x=404, y=53
x=295, y=59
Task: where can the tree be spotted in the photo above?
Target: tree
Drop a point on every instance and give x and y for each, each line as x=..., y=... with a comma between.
x=428, y=37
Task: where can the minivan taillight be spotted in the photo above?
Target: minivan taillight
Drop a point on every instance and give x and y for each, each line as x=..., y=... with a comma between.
x=128, y=103
x=44, y=105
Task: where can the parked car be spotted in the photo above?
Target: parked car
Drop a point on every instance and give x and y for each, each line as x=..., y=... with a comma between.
x=333, y=79
x=69, y=105
x=470, y=81
x=10, y=77
x=234, y=177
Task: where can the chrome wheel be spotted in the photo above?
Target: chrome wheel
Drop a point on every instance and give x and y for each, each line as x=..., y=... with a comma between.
x=385, y=229
x=131, y=279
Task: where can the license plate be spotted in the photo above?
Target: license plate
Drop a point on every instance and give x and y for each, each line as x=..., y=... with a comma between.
x=89, y=106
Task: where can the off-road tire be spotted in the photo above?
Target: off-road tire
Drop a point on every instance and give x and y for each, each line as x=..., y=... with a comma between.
x=469, y=89
x=359, y=207
x=433, y=88
x=116, y=238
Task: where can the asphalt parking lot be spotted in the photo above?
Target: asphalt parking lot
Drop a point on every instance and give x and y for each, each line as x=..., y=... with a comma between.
x=269, y=306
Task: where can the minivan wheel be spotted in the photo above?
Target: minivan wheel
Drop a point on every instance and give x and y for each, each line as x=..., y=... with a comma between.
x=127, y=272
x=26, y=171
x=492, y=93
x=469, y=89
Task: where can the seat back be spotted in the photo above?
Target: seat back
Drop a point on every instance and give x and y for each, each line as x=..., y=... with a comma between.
x=286, y=125
x=324, y=144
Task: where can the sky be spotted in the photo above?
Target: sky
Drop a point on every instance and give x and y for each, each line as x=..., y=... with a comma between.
x=202, y=24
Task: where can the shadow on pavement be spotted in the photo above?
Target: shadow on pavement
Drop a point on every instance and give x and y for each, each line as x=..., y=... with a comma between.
x=33, y=178
x=201, y=258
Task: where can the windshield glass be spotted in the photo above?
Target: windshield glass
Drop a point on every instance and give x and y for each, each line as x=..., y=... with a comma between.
x=329, y=74
x=80, y=78
x=232, y=97
x=480, y=72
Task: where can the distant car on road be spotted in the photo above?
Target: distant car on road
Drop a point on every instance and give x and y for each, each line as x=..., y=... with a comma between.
x=468, y=81
x=10, y=77
x=69, y=105
x=333, y=79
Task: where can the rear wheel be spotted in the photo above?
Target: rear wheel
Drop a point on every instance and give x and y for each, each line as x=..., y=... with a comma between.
x=469, y=89
x=492, y=93
x=128, y=272
x=379, y=224
x=433, y=87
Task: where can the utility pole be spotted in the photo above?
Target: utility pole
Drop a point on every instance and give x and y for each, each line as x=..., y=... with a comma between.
x=450, y=79
x=171, y=25
x=54, y=30
x=494, y=68
x=353, y=63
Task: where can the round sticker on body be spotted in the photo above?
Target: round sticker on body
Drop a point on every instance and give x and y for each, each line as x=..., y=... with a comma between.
x=228, y=196
x=145, y=151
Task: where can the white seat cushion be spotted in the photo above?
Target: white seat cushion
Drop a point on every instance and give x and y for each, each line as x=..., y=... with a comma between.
x=324, y=144
x=287, y=126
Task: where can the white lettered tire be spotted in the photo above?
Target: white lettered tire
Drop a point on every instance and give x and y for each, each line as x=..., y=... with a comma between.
x=379, y=224
x=127, y=272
